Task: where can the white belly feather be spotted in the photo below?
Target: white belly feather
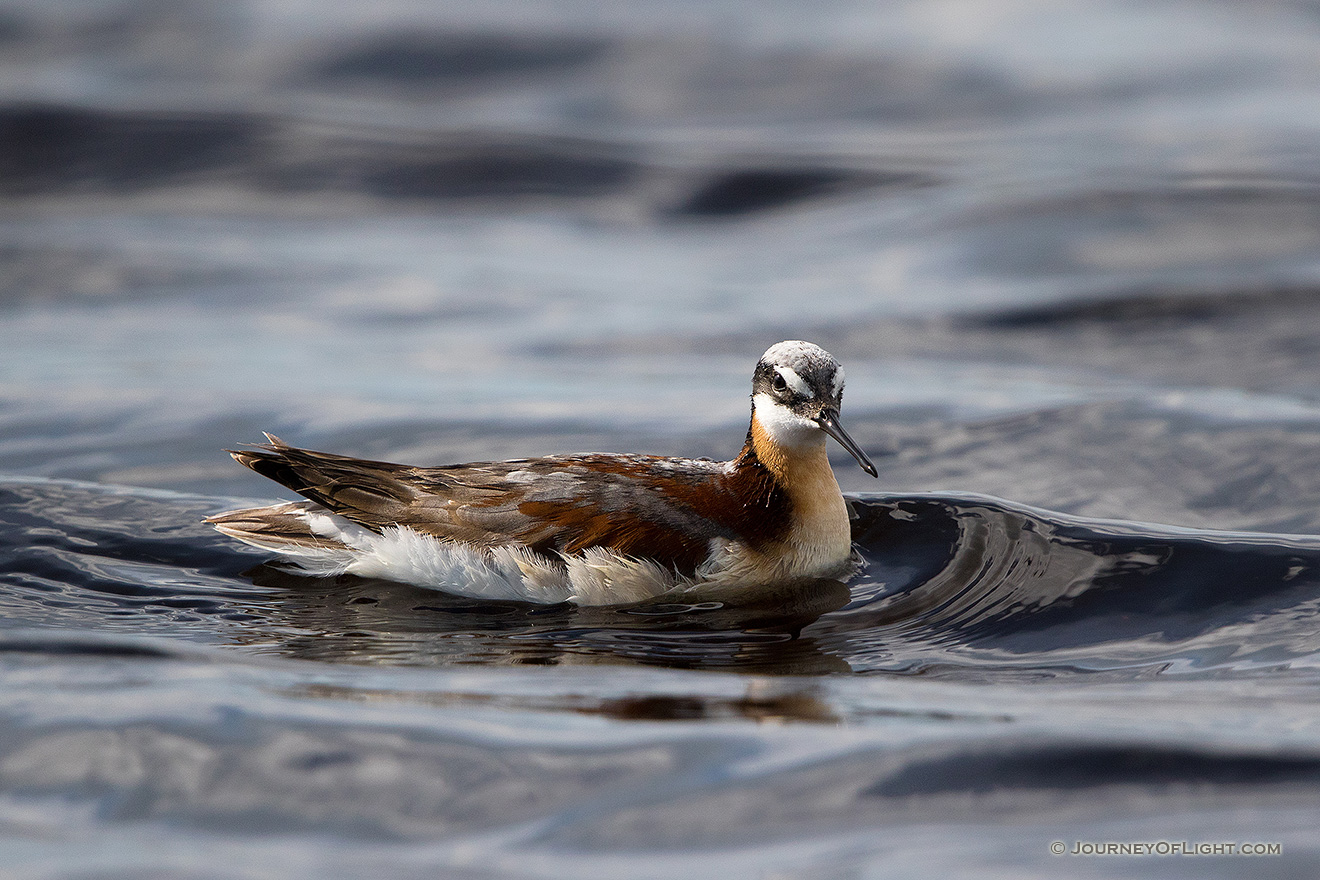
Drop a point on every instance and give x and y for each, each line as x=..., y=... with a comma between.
x=511, y=572
x=597, y=576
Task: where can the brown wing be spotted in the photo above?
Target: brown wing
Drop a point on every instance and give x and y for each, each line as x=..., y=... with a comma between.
x=637, y=505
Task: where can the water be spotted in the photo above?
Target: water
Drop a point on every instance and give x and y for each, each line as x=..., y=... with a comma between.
x=1067, y=254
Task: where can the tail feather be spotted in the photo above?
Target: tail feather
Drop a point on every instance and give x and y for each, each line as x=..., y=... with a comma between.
x=279, y=527
x=370, y=493
x=290, y=530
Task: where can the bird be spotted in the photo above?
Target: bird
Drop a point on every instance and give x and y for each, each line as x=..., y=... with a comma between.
x=587, y=529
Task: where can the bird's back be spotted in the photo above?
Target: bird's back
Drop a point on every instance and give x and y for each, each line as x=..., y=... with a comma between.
x=632, y=505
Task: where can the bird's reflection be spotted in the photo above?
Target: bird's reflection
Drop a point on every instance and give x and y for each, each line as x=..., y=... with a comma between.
x=357, y=620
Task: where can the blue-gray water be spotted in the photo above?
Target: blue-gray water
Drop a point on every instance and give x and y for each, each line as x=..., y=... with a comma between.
x=1068, y=253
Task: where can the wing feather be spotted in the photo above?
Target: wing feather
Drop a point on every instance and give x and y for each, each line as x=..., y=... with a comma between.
x=636, y=505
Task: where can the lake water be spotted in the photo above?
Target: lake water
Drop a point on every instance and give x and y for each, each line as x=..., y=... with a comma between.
x=1069, y=255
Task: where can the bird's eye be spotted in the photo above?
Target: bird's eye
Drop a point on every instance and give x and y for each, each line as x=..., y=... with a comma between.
x=779, y=383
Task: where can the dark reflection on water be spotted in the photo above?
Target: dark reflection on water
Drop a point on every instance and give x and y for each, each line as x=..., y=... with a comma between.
x=1079, y=767
x=411, y=59
x=1027, y=583
x=364, y=621
x=778, y=705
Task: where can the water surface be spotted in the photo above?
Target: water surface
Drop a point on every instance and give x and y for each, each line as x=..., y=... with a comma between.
x=1067, y=254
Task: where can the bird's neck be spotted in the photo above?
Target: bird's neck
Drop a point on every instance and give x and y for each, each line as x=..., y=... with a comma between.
x=787, y=464
x=817, y=538
x=800, y=470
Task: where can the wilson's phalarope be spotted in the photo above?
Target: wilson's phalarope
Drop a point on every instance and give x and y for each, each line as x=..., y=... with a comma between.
x=595, y=529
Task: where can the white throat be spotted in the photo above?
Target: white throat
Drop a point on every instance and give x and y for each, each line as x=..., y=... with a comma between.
x=783, y=427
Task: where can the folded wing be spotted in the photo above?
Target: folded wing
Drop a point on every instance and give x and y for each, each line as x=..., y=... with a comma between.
x=634, y=505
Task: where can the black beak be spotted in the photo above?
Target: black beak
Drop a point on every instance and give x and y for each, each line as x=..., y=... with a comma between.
x=829, y=423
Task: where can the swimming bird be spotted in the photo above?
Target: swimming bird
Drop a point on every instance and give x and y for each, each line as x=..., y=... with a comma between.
x=594, y=529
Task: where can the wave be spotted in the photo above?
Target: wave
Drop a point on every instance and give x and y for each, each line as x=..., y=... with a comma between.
x=986, y=581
